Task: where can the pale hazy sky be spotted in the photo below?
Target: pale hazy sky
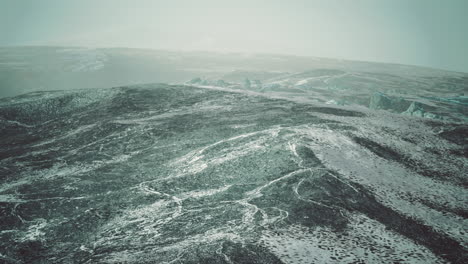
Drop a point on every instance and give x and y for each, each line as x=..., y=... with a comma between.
x=431, y=33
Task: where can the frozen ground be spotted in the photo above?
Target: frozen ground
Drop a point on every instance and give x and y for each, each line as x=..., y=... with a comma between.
x=179, y=174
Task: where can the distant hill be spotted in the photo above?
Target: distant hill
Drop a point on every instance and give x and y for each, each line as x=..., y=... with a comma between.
x=24, y=69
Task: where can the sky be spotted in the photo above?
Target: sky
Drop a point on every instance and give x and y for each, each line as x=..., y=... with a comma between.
x=431, y=33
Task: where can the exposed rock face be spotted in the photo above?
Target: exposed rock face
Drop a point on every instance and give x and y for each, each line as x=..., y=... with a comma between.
x=415, y=109
x=418, y=109
x=247, y=84
x=258, y=84
x=195, y=81
x=382, y=101
x=221, y=83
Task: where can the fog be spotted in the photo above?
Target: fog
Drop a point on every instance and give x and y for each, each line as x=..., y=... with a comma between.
x=230, y=132
x=419, y=32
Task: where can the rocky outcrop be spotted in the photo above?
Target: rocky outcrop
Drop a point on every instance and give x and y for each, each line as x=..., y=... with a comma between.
x=418, y=109
x=382, y=101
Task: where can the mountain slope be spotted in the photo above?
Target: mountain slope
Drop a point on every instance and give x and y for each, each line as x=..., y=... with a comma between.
x=176, y=174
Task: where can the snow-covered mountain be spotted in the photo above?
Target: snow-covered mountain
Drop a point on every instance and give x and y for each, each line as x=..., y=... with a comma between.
x=250, y=159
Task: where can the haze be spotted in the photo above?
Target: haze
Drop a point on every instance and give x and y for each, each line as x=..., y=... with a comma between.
x=419, y=32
